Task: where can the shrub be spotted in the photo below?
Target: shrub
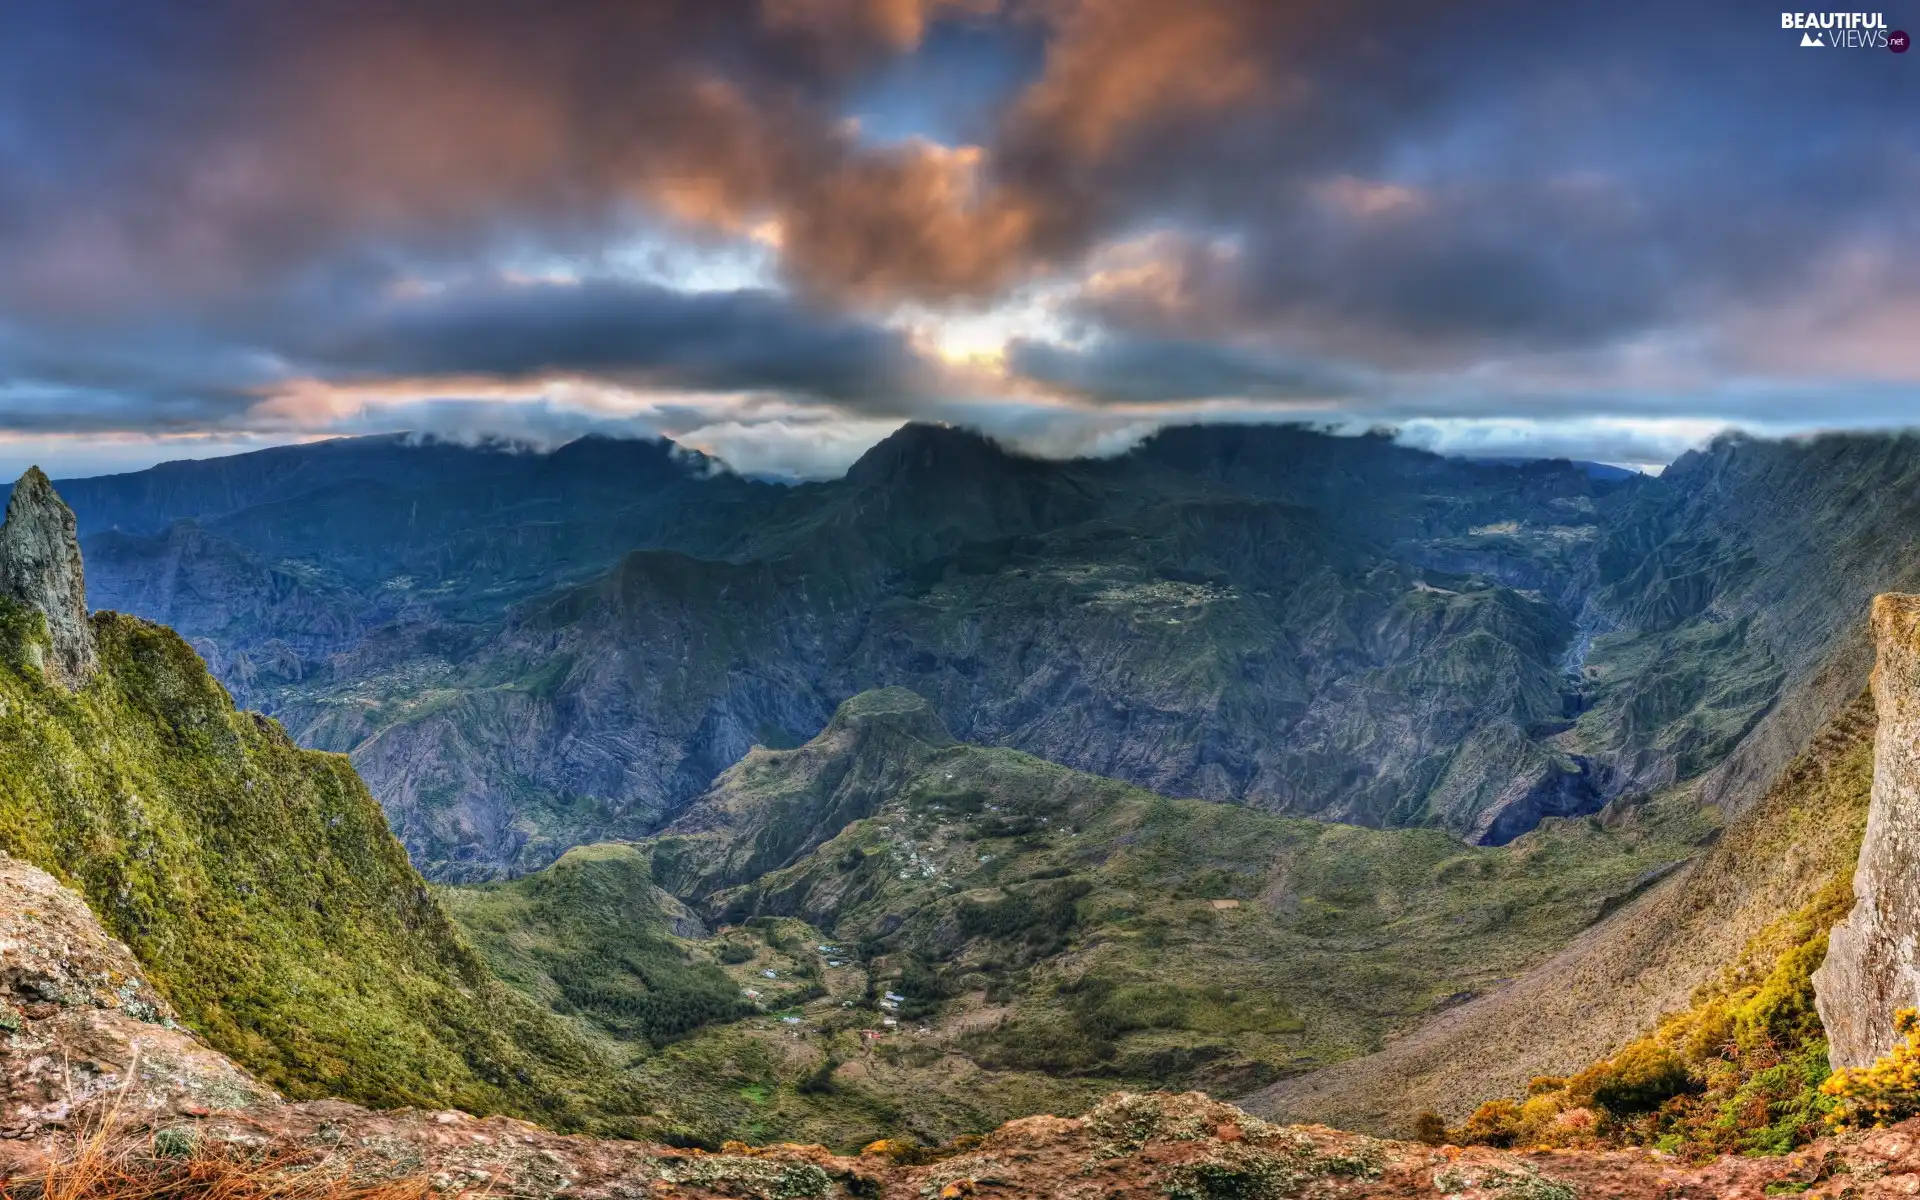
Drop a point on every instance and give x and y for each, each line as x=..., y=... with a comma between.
x=1887, y=1091
x=1041, y=916
x=924, y=989
x=1739, y=1072
x=1495, y=1123
x=1036, y=1044
x=648, y=989
x=819, y=1081
x=1430, y=1128
x=1638, y=1080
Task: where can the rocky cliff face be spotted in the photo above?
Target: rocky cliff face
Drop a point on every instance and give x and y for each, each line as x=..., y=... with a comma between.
x=40, y=567
x=1873, y=959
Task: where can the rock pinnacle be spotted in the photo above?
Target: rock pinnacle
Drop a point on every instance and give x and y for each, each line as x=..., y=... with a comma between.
x=40, y=567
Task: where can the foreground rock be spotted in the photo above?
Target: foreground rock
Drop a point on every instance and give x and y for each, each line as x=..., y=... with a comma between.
x=1131, y=1147
x=88, y=1048
x=81, y=1027
x=1871, y=969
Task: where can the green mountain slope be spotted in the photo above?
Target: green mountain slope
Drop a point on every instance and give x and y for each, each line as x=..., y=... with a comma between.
x=1714, y=929
x=1729, y=606
x=594, y=939
x=256, y=881
x=525, y=652
x=1012, y=935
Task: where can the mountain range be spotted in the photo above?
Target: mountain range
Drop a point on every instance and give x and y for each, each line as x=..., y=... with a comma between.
x=1295, y=767
x=524, y=652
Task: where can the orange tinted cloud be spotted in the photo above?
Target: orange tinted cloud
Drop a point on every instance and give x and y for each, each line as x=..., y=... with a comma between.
x=1116, y=65
x=899, y=24
x=440, y=125
x=906, y=220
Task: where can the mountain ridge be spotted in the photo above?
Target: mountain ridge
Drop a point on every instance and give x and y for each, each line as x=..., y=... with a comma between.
x=1339, y=627
x=256, y=881
x=873, y=581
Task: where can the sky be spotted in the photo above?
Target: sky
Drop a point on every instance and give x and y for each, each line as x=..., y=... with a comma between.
x=774, y=230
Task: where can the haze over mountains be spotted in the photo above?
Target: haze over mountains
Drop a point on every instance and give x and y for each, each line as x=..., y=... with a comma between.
x=524, y=652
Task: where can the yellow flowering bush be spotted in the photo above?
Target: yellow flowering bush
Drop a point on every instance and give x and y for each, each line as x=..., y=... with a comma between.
x=1887, y=1091
x=1739, y=1072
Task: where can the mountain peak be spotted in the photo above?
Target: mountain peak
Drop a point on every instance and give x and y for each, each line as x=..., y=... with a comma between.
x=917, y=448
x=40, y=567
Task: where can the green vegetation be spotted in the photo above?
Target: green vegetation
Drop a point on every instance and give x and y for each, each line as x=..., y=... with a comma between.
x=591, y=937
x=941, y=934
x=1741, y=1070
x=959, y=935
x=1339, y=626
x=260, y=888
x=1886, y=1091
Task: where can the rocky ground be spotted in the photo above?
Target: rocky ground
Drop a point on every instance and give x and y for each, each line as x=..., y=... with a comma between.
x=94, y=1064
x=1130, y=1146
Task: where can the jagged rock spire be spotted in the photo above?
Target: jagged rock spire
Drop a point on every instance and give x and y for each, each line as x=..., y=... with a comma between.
x=1872, y=966
x=40, y=567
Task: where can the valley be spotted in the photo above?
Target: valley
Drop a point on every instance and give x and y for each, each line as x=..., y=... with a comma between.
x=935, y=937
x=958, y=600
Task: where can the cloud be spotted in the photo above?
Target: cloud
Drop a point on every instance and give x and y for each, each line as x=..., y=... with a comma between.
x=201, y=155
x=636, y=333
x=238, y=217
x=787, y=448
x=1150, y=369
x=1645, y=445
x=1117, y=66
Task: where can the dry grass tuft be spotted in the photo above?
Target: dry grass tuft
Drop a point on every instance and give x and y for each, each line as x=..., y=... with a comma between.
x=102, y=1167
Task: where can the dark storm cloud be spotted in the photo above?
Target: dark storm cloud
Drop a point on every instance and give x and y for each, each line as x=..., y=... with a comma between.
x=200, y=201
x=1473, y=179
x=168, y=377
x=719, y=341
x=193, y=154
x=33, y=407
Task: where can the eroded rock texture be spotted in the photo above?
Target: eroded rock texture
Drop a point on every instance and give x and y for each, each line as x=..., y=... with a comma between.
x=81, y=1026
x=40, y=567
x=1871, y=968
